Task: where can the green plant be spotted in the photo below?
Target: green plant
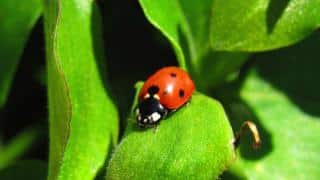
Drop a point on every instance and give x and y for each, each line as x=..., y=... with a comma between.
x=251, y=60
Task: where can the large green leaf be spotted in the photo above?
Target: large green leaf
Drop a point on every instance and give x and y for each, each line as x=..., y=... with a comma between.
x=253, y=25
x=197, y=29
x=16, y=21
x=195, y=142
x=282, y=95
x=187, y=26
x=258, y=25
x=83, y=118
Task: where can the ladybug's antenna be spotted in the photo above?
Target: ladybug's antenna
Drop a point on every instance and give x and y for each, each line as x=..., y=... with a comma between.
x=254, y=131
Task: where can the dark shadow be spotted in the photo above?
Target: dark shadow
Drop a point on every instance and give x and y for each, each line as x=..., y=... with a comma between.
x=183, y=41
x=217, y=66
x=25, y=169
x=134, y=49
x=27, y=100
x=99, y=53
x=227, y=175
x=274, y=12
x=295, y=71
x=213, y=67
x=98, y=44
x=239, y=111
x=102, y=173
x=246, y=149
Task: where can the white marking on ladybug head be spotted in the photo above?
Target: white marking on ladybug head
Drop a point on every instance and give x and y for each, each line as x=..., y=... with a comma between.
x=155, y=117
x=146, y=96
x=156, y=96
x=145, y=120
x=137, y=111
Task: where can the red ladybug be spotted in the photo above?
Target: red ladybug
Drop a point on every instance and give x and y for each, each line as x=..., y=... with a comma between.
x=165, y=91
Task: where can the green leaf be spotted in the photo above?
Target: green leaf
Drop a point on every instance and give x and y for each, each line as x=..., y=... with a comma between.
x=195, y=142
x=26, y=169
x=16, y=21
x=17, y=146
x=197, y=29
x=187, y=25
x=282, y=94
x=218, y=68
x=83, y=118
x=259, y=25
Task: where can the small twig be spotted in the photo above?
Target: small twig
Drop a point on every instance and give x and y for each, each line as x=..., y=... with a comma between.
x=254, y=131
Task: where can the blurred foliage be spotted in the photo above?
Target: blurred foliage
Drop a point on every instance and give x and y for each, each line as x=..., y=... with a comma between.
x=247, y=55
x=16, y=22
x=17, y=146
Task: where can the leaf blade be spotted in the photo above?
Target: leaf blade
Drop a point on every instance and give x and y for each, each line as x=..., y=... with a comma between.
x=262, y=25
x=189, y=144
x=83, y=118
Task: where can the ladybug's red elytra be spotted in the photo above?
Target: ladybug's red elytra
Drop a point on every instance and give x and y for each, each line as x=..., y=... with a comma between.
x=165, y=91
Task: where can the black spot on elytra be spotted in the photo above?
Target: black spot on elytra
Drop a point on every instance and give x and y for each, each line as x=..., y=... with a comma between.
x=181, y=93
x=173, y=75
x=153, y=90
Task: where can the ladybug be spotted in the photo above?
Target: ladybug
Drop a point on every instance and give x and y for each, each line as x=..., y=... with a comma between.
x=163, y=92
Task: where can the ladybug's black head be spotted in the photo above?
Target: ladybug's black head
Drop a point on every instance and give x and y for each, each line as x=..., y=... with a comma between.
x=150, y=112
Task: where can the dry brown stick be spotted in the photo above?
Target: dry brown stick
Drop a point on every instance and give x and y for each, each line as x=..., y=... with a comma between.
x=254, y=131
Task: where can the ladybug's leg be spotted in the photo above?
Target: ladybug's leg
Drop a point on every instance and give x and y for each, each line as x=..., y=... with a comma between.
x=155, y=128
x=165, y=113
x=254, y=131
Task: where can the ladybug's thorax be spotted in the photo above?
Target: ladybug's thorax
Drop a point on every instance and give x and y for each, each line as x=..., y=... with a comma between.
x=150, y=111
